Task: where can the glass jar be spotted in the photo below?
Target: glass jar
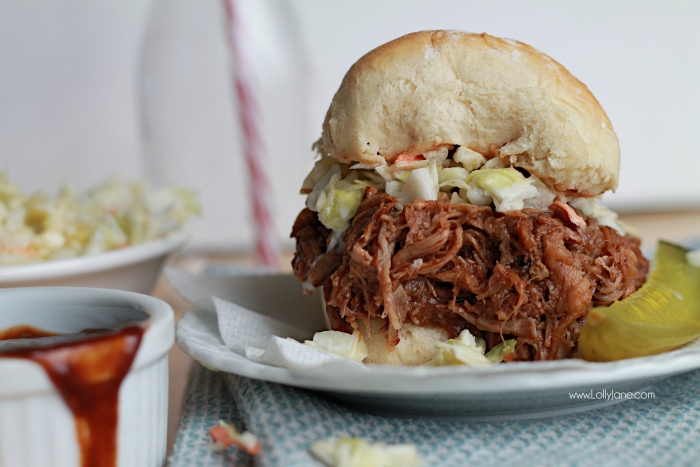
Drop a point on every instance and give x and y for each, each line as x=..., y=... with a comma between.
x=195, y=53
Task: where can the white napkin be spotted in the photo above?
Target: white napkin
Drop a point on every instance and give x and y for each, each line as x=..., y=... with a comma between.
x=262, y=317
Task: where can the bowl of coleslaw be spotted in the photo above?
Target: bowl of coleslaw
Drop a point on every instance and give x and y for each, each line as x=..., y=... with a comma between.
x=117, y=235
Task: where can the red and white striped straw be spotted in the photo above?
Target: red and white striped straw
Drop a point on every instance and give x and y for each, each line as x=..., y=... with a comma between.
x=266, y=242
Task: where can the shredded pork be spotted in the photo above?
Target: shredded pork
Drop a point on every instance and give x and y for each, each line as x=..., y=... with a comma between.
x=530, y=275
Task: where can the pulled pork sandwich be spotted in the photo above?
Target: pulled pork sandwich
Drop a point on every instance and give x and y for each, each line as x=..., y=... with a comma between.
x=457, y=189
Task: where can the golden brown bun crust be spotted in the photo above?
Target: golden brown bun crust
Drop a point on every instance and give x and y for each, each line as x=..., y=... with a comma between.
x=489, y=94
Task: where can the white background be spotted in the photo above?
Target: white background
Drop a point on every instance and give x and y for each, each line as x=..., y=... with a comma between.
x=71, y=77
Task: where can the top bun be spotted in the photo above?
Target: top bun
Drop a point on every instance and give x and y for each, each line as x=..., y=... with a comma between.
x=495, y=96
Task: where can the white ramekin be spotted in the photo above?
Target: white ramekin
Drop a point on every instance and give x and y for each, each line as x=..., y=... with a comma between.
x=37, y=428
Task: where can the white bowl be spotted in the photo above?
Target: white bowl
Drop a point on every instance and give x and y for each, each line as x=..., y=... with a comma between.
x=36, y=426
x=134, y=268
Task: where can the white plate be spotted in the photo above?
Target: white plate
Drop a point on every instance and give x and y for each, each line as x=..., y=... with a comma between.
x=512, y=391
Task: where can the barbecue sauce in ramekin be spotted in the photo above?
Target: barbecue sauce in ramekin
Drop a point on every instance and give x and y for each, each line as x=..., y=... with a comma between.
x=87, y=369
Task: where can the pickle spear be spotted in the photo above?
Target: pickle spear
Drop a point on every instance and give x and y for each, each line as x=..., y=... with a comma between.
x=662, y=315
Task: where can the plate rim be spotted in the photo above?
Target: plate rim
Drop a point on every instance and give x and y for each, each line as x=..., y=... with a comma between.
x=407, y=381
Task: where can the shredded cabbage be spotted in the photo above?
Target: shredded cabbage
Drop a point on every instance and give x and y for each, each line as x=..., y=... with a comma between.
x=453, y=177
x=356, y=452
x=320, y=169
x=335, y=190
x=421, y=184
x=336, y=199
x=113, y=215
x=591, y=207
x=499, y=351
x=340, y=343
x=506, y=187
x=225, y=434
x=470, y=160
x=469, y=350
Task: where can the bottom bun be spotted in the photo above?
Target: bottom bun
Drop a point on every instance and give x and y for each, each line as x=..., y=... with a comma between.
x=417, y=344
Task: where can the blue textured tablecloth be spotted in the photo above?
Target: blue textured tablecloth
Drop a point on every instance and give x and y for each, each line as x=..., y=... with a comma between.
x=664, y=431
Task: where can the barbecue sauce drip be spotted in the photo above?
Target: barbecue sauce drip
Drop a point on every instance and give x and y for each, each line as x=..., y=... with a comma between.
x=87, y=368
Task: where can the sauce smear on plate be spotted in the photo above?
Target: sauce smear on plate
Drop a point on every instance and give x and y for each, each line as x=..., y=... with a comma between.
x=87, y=368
